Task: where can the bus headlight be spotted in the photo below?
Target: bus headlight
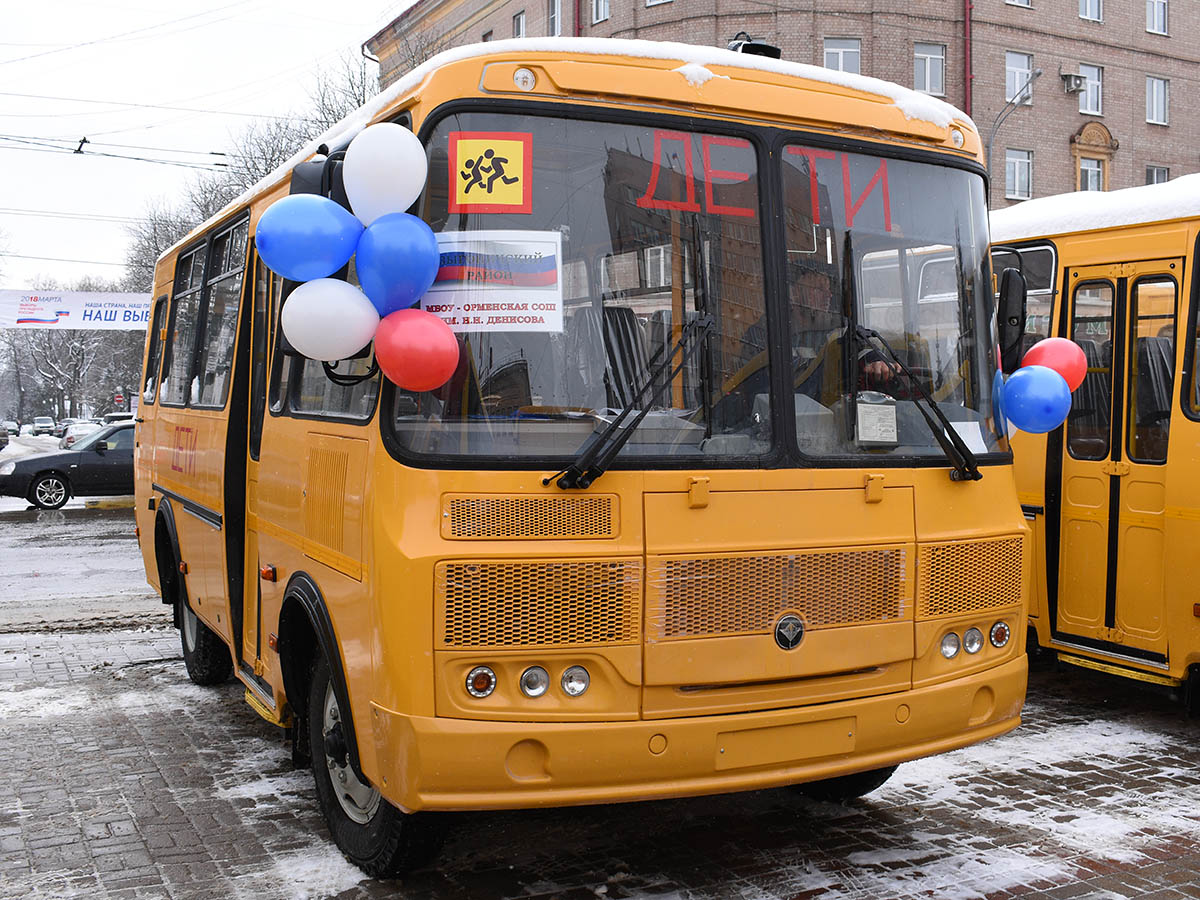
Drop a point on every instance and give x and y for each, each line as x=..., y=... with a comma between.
x=973, y=640
x=481, y=681
x=534, y=681
x=575, y=681
x=950, y=645
x=1000, y=634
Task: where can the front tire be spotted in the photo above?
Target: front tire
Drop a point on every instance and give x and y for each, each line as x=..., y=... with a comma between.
x=204, y=653
x=847, y=787
x=49, y=491
x=374, y=835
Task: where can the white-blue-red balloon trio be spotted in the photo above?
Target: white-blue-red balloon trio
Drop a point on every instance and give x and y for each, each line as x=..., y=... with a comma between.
x=1037, y=397
x=307, y=238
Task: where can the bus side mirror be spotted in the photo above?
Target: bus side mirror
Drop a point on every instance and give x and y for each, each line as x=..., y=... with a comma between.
x=1010, y=317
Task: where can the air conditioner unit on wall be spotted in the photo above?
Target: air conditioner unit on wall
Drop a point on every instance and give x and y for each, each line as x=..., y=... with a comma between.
x=1073, y=82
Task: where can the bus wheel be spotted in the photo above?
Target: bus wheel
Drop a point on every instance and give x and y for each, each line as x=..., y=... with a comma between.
x=204, y=653
x=375, y=836
x=49, y=491
x=847, y=787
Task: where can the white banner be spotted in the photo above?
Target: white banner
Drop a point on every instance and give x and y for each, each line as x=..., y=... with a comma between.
x=498, y=281
x=74, y=309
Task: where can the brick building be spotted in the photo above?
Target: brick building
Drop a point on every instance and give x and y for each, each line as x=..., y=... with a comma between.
x=1108, y=111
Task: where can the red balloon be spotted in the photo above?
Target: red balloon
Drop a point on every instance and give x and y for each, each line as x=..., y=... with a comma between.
x=416, y=350
x=1063, y=356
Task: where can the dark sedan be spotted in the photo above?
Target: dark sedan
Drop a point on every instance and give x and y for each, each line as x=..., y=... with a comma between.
x=98, y=464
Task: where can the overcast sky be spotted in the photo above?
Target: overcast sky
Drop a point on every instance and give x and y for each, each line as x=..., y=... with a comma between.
x=230, y=58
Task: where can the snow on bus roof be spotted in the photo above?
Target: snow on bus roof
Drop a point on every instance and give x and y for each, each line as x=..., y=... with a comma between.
x=1093, y=210
x=912, y=104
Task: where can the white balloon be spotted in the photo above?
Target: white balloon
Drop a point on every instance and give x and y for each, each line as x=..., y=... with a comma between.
x=327, y=319
x=384, y=171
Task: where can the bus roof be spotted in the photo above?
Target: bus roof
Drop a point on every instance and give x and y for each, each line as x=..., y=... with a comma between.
x=694, y=59
x=1096, y=210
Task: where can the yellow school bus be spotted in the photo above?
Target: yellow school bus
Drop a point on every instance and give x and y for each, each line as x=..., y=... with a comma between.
x=1113, y=494
x=730, y=512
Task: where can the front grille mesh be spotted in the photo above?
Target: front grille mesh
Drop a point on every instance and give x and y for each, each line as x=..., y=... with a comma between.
x=961, y=577
x=570, y=603
x=718, y=596
x=477, y=517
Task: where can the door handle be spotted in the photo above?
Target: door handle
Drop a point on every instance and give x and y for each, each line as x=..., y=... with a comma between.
x=1116, y=468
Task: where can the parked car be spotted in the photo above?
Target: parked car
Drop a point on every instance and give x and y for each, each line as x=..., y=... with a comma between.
x=3, y=438
x=11, y=427
x=76, y=431
x=100, y=463
x=43, y=425
x=61, y=428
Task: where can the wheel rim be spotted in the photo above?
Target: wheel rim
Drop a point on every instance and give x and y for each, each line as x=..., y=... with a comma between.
x=358, y=801
x=191, y=625
x=50, y=491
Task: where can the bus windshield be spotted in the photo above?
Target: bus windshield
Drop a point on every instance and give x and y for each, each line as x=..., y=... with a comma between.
x=574, y=252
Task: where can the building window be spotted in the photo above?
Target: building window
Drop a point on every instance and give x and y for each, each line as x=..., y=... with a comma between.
x=1028, y=4
x=1156, y=100
x=487, y=35
x=599, y=11
x=929, y=68
x=1157, y=174
x=1091, y=175
x=1017, y=69
x=1091, y=9
x=843, y=54
x=656, y=2
x=1018, y=174
x=1156, y=16
x=554, y=18
x=1091, y=99
x=519, y=24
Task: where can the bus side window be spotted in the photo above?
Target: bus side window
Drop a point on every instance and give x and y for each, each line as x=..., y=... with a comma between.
x=258, y=352
x=227, y=263
x=281, y=364
x=179, y=347
x=154, y=351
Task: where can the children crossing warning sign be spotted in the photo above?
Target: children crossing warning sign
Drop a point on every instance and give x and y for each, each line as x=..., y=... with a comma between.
x=490, y=171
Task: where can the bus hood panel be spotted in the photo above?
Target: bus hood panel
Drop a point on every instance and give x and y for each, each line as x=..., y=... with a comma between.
x=809, y=598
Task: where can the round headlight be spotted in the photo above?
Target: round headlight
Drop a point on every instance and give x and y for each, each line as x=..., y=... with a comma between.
x=1000, y=634
x=575, y=681
x=950, y=645
x=973, y=640
x=481, y=681
x=534, y=681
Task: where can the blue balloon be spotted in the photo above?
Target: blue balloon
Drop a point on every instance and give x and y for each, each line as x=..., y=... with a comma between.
x=397, y=261
x=1037, y=399
x=306, y=236
x=998, y=411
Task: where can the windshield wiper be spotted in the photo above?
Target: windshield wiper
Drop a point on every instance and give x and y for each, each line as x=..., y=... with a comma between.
x=598, y=455
x=966, y=467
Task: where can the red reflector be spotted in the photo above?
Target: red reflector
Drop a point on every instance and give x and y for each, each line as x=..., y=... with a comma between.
x=267, y=573
x=137, y=532
x=183, y=568
x=273, y=642
x=1196, y=610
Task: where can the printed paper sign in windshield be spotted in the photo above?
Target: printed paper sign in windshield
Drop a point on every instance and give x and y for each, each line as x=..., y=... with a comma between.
x=498, y=281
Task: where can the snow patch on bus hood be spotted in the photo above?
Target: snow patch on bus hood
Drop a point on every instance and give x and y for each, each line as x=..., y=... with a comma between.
x=697, y=74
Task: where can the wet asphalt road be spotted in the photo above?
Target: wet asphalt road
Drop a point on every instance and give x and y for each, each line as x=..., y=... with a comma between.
x=127, y=781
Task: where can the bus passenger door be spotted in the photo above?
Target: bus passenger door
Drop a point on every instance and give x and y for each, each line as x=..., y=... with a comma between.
x=1137, y=621
x=1110, y=582
x=252, y=637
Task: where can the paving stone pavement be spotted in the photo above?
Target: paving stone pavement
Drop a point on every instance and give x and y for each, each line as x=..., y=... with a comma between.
x=127, y=781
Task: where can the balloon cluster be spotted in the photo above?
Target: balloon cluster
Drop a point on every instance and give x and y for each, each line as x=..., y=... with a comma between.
x=1037, y=397
x=308, y=237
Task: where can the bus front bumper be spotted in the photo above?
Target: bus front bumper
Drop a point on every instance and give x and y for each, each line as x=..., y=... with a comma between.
x=428, y=763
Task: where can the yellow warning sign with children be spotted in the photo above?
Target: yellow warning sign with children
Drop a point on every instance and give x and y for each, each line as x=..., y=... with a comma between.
x=490, y=171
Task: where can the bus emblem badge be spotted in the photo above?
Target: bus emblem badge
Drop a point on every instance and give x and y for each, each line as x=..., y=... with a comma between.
x=789, y=631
